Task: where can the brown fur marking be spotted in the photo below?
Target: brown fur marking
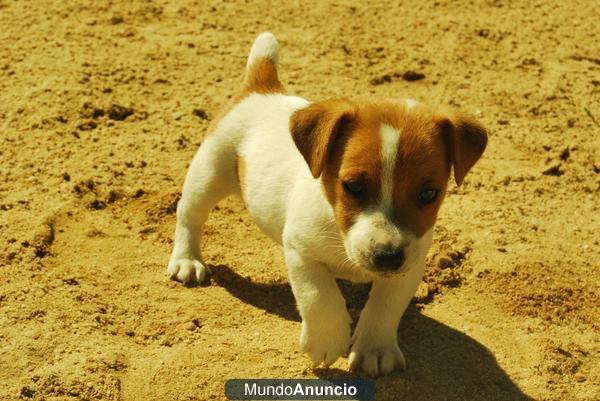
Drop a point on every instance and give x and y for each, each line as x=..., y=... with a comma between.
x=423, y=160
x=261, y=78
x=466, y=140
x=315, y=128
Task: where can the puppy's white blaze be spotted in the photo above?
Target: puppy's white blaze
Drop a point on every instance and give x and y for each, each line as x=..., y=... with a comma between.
x=265, y=46
x=389, y=149
x=410, y=103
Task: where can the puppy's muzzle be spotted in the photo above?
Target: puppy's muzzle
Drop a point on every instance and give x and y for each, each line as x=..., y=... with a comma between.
x=388, y=258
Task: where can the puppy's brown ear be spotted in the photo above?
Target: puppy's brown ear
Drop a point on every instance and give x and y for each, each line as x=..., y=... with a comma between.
x=315, y=127
x=466, y=140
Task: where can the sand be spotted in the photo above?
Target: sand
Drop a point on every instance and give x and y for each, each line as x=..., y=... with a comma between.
x=102, y=106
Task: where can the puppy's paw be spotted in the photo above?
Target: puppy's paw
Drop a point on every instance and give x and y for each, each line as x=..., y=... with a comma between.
x=187, y=271
x=325, y=341
x=376, y=359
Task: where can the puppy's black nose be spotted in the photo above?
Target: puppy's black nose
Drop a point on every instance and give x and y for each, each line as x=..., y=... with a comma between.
x=388, y=258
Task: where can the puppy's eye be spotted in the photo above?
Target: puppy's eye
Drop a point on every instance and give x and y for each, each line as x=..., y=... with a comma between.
x=428, y=195
x=354, y=188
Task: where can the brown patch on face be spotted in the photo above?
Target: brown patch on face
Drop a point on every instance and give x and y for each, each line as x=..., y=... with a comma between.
x=355, y=158
x=421, y=162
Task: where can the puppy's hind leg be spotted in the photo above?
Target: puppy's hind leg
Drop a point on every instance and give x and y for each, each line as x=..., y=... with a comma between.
x=212, y=175
x=210, y=178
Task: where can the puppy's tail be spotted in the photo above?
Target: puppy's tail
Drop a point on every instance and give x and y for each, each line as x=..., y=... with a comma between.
x=261, y=67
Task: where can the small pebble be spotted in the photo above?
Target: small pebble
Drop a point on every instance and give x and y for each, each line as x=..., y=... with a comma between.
x=445, y=262
x=191, y=326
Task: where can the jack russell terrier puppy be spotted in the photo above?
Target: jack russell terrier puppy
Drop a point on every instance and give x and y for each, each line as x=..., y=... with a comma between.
x=350, y=189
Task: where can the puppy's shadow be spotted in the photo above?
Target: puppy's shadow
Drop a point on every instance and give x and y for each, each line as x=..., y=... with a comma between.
x=274, y=298
x=442, y=363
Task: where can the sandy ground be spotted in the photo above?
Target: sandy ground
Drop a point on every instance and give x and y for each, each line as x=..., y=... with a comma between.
x=102, y=106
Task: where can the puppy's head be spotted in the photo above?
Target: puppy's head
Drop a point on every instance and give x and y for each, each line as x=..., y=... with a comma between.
x=385, y=167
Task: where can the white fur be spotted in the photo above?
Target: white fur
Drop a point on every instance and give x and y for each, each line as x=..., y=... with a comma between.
x=265, y=46
x=410, y=103
x=289, y=205
x=372, y=229
x=389, y=149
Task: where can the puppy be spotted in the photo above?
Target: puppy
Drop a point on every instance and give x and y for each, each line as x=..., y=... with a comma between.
x=350, y=189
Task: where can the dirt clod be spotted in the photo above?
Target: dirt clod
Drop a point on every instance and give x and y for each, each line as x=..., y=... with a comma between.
x=87, y=126
x=445, y=262
x=27, y=392
x=412, y=76
x=381, y=80
x=555, y=170
x=200, y=113
x=97, y=204
x=119, y=113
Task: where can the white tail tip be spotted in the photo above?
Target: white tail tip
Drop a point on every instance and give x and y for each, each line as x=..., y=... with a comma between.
x=264, y=46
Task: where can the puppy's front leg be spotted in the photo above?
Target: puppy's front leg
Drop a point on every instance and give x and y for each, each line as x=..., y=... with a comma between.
x=375, y=341
x=325, y=334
